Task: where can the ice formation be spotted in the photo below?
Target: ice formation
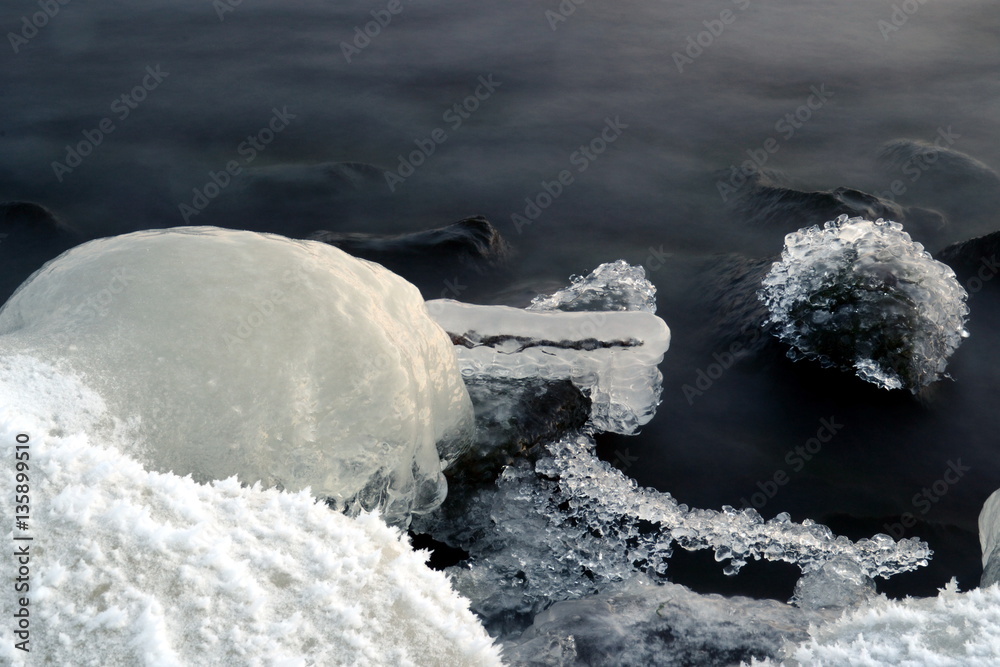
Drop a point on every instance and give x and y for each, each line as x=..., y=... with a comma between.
x=862, y=296
x=129, y=566
x=640, y=623
x=989, y=539
x=564, y=524
x=235, y=353
x=610, y=354
x=951, y=630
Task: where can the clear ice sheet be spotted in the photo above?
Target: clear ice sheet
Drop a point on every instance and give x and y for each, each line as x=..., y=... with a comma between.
x=862, y=296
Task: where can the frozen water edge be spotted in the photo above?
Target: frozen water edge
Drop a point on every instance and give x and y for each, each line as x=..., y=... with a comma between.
x=569, y=525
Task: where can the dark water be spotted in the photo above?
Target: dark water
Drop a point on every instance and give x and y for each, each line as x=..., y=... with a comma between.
x=650, y=196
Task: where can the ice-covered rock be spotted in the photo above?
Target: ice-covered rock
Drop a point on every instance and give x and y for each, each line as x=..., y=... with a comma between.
x=861, y=296
x=235, y=353
x=571, y=524
x=638, y=623
x=563, y=524
x=989, y=539
x=840, y=583
x=611, y=286
x=129, y=566
x=610, y=354
x=951, y=630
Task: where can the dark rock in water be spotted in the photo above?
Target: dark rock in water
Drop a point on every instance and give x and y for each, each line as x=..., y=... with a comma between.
x=442, y=262
x=294, y=199
x=30, y=235
x=644, y=624
x=513, y=417
x=764, y=203
x=975, y=258
x=942, y=177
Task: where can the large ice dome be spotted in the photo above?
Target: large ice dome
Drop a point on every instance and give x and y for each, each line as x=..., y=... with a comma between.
x=222, y=353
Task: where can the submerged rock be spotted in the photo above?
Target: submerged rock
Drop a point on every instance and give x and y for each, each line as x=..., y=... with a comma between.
x=639, y=623
x=30, y=235
x=861, y=296
x=448, y=262
x=942, y=177
x=764, y=202
x=975, y=261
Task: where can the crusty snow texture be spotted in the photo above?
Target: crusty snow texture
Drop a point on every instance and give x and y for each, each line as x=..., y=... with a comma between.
x=132, y=567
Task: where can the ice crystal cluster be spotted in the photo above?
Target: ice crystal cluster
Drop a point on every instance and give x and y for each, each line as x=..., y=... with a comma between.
x=862, y=296
x=567, y=524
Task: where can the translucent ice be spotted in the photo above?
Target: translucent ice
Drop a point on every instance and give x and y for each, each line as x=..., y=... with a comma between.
x=611, y=286
x=562, y=524
x=234, y=353
x=571, y=524
x=640, y=623
x=840, y=583
x=862, y=296
x=132, y=567
x=989, y=539
x=610, y=355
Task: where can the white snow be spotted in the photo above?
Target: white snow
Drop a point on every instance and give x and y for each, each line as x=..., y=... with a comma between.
x=234, y=353
x=951, y=630
x=133, y=567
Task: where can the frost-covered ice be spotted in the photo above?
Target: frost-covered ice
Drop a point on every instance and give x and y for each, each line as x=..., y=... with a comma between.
x=610, y=287
x=862, y=296
x=611, y=355
x=951, y=630
x=989, y=539
x=564, y=524
x=130, y=566
x=638, y=624
x=233, y=353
